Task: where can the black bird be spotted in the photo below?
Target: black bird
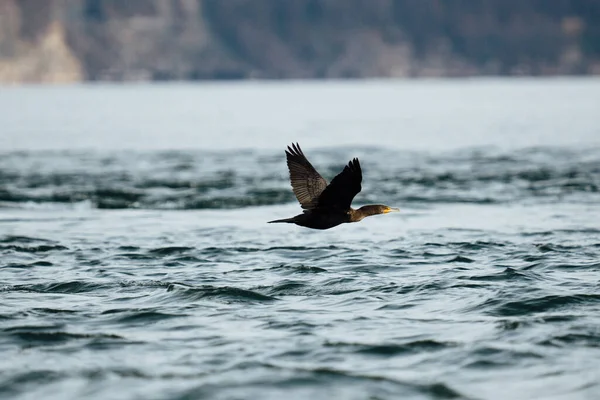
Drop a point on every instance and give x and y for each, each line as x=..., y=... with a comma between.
x=326, y=206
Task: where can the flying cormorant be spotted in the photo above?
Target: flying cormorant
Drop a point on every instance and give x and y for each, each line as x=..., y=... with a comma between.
x=326, y=206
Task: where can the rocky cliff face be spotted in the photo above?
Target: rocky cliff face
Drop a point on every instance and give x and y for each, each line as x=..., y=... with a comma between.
x=35, y=50
x=73, y=40
x=149, y=40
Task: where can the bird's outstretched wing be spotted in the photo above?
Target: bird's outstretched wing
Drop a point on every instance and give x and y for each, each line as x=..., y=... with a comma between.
x=343, y=187
x=307, y=183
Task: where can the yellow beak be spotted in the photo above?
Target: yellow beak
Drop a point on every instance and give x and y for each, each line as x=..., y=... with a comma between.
x=391, y=209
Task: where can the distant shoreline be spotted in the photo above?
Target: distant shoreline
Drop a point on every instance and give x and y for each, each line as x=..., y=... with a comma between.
x=209, y=40
x=306, y=81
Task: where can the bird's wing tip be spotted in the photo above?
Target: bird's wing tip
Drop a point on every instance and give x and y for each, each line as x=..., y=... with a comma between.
x=294, y=150
x=354, y=163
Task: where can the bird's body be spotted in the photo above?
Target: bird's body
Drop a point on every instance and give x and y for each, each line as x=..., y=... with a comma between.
x=326, y=206
x=317, y=219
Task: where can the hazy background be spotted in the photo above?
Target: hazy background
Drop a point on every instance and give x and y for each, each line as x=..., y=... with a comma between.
x=136, y=261
x=80, y=40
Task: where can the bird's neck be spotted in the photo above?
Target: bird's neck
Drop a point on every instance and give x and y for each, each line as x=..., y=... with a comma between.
x=364, y=211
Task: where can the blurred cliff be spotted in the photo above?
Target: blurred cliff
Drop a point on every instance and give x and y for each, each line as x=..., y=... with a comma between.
x=74, y=40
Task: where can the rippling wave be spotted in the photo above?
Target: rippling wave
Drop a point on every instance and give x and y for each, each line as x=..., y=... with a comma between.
x=202, y=180
x=488, y=276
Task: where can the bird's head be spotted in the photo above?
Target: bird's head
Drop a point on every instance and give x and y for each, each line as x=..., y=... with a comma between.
x=387, y=209
x=375, y=209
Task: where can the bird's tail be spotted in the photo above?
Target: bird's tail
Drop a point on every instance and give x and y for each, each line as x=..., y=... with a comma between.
x=288, y=220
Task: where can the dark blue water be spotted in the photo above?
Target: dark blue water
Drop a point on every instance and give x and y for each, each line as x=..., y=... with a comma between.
x=147, y=271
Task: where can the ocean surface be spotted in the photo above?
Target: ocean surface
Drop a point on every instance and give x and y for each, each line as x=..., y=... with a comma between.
x=136, y=261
